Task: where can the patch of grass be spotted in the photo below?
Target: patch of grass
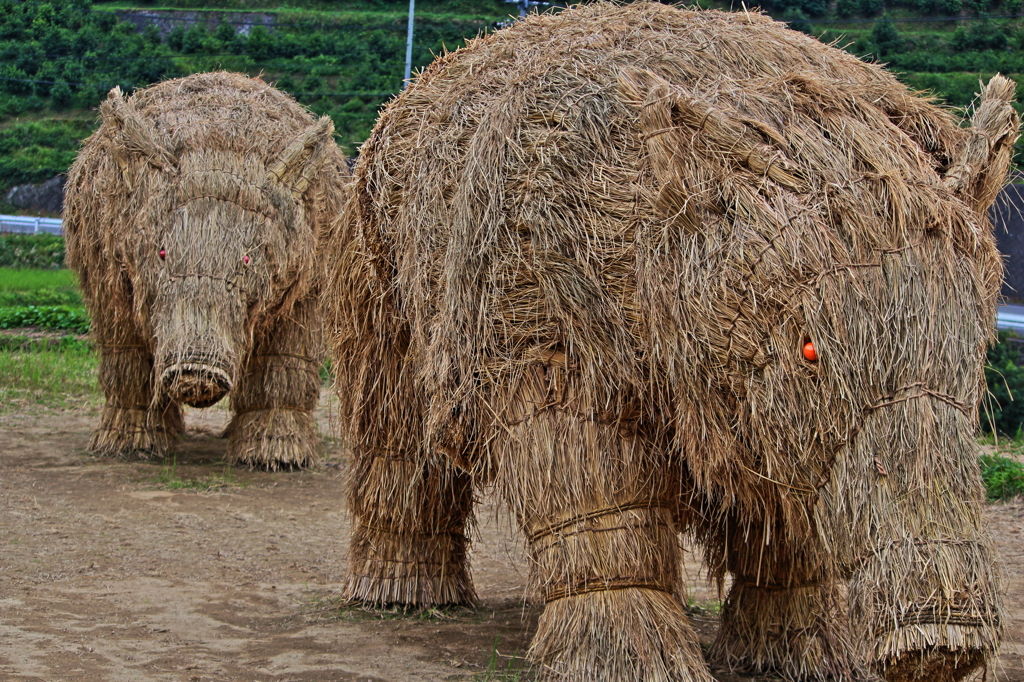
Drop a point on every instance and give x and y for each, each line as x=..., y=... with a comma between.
x=513, y=669
x=170, y=479
x=705, y=607
x=346, y=611
x=30, y=279
x=1003, y=477
x=48, y=375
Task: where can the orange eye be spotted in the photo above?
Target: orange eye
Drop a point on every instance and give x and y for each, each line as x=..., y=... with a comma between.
x=810, y=352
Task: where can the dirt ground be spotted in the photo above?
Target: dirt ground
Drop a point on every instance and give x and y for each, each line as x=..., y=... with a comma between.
x=110, y=573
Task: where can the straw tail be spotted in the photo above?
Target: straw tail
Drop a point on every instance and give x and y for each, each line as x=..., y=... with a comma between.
x=785, y=613
x=593, y=493
x=273, y=425
x=924, y=595
x=979, y=168
x=411, y=509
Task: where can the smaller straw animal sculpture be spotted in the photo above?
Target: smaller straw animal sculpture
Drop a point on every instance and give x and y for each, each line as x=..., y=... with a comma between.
x=651, y=272
x=194, y=216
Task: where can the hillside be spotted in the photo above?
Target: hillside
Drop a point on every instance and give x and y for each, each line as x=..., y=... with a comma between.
x=345, y=58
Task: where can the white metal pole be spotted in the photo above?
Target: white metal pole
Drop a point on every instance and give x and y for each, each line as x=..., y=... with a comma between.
x=408, y=45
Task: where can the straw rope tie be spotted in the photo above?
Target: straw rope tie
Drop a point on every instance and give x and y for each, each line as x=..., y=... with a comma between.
x=230, y=282
x=595, y=514
x=122, y=347
x=763, y=585
x=920, y=542
x=602, y=585
x=935, y=614
x=887, y=401
x=293, y=408
x=454, y=531
x=893, y=400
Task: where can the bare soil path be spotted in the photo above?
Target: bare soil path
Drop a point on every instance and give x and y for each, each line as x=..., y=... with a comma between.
x=110, y=572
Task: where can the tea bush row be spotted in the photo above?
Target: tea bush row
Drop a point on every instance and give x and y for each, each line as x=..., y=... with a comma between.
x=31, y=251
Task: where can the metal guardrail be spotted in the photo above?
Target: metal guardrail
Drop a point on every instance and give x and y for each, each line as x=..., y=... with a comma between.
x=30, y=225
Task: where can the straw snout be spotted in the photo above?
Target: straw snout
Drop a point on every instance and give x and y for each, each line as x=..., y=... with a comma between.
x=200, y=330
x=195, y=383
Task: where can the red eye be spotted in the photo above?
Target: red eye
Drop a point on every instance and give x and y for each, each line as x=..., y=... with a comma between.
x=245, y=259
x=163, y=254
x=810, y=352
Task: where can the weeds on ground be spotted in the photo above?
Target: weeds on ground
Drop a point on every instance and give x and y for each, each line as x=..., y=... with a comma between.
x=703, y=607
x=171, y=480
x=1003, y=477
x=338, y=608
x=514, y=669
x=49, y=376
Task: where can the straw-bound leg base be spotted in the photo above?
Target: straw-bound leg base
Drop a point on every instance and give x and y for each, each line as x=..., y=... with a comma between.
x=416, y=569
x=935, y=665
x=273, y=439
x=137, y=433
x=624, y=635
x=928, y=610
x=797, y=633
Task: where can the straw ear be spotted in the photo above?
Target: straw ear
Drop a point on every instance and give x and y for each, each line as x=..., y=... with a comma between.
x=134, y=134
x=303, y=157
x=979, y=168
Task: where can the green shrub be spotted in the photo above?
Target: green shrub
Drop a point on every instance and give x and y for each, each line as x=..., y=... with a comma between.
x=44, y=251
x=1003, y=477
x=34, y=151
x=1003, y=411
x=885, y=37
x=55, y=317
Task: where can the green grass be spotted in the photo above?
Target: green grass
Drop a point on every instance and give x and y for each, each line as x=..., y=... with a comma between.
x=515, y=669
x=170, y=479
x=48, y=299
x=707, y=606
x=1003, y=477
x=48, y=376
x=30, y=279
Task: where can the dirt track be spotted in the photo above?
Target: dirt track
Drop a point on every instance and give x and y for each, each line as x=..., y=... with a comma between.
x=106, y=574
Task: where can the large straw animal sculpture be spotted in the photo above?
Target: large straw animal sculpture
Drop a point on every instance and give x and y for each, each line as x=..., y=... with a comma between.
x=193, y=216
x=651, y=271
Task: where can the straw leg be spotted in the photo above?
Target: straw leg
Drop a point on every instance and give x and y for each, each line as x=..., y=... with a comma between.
x=928, y=606
x=410, y=545
x=411, y=510
x=783, y=614
x=924, y=591
x=132, y=424
x=273, y=425
x=593, y=498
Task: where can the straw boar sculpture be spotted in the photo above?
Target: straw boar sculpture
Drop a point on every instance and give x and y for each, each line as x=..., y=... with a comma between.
x=650, y=271
x=193, y=216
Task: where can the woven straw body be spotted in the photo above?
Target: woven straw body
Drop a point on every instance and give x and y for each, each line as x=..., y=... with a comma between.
x=194, y=216
x=582, y=261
